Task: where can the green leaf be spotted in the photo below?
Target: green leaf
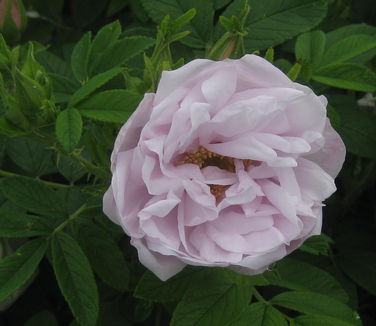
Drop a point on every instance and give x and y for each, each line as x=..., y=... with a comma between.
x=80, y=58
x=317, y=244
x=259, y=314
x=45, y=318
x=279, y=21
x=309, y=47
x=319, y=320
x=75, y=278
x=201, y=26
x=349, y=49
x=213, y=304
x=360, y=266
x=104, y=255
x=94, y=83
x=54, y=64
x=296, y=275
x=33, y=196
x=356, y=128
x=69, y=128
x=70, y=169
x=121, y=51
x=110, y=106
x=348, y=30
x=31, y=156
x=63, y=87
x=311, y=303
x=16, y=269
x=347, y=76
x=104, y=39
x=17, y=225
x=152, y=288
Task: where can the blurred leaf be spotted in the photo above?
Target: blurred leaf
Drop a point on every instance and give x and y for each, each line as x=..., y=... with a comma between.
x=259, y=314
x=69, y=128
x=272, y=24
x=311, y=303
x=347, y=76
x=201, y=25
x=43, y=318
x=51, y=10
x=75, y=278
x=349, y=49
x=319, y=320
x=356, y=128
x=104, y=256
x=360, y=266
x=110, y=106
x=33, y=196
x=218, y=4
x=86, y=11
x=80, y=58
x=17, y=268
x=31, y=156
x=54, y=64
x=115, y=6
x=215, y=304
x=296, y=275
x=94, y=83
x=309, y=47
x=17, y=225
x=63, y=87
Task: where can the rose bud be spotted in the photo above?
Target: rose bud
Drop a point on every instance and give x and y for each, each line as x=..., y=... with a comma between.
x=12, y=19
x=227, y=164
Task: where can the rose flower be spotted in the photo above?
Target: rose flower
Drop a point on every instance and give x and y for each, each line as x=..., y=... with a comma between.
x=227, y=164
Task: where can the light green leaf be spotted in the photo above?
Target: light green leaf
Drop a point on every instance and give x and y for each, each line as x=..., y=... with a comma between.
x=69, y=128
x=349, y=49
x=93, y=84
x=33, y=196
x=360, y=266
x=121, y=51
x=201, y=25
x=80, y=58
x=213, y=304
x=16, y=269
x=110, y=106
x=347, y=76
x=104, y=255
x=75, y=278
x=296, y=275
x=259, y=314
x=348, y=30
x=17, y=225
x=309, y=47
x=311, y=303
x=279, y=21
x=319, y=320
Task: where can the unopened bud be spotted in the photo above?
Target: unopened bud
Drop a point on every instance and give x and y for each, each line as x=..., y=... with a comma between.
x=12, y=19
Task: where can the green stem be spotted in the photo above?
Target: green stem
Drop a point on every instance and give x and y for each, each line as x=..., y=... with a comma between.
x=70, y=218
x=48, y=183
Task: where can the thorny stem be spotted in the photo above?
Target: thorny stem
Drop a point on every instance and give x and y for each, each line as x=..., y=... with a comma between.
x=48, y=183
x=70, y=218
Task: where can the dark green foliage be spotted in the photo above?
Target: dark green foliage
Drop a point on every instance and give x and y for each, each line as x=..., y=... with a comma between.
x=80, y=70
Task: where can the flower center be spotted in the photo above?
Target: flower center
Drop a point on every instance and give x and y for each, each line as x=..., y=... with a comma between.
x=203, y=158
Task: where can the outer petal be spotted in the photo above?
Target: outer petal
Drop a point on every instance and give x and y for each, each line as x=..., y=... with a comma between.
x=162, y=266
x=332, y=154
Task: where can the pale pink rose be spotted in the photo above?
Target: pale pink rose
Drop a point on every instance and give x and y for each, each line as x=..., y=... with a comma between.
x=227, y=164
